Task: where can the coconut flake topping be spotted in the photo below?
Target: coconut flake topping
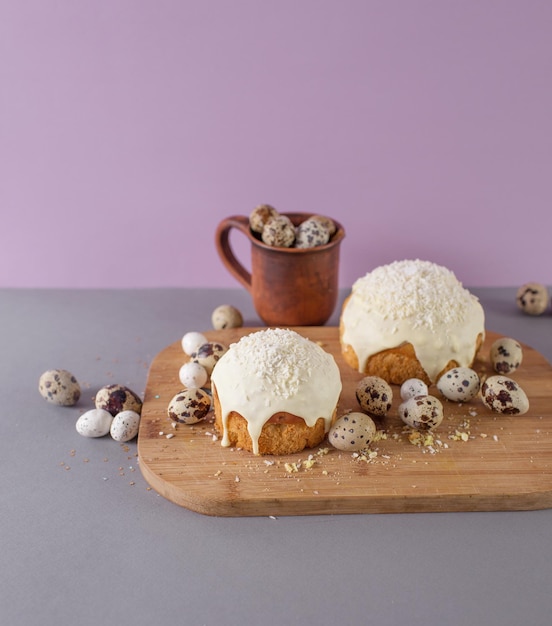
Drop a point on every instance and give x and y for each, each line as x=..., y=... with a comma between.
x=282, y=359
x=276, y=370
x=428, y=293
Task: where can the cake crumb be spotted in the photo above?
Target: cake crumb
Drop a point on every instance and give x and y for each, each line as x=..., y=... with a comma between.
x=459, y=435
x=380, y=435
x=421, y=439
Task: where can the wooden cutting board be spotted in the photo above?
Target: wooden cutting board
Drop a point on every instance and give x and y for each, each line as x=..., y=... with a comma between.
x=477, y=460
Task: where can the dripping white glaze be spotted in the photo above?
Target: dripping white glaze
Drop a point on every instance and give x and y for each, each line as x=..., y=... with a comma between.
x=276, y=370
x=417, y=302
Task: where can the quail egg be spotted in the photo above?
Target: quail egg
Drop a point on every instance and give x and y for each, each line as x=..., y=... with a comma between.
x=193, y=375
x=421, y=412
x=226, y=316
x=374, y=395
x=532, y=298
x=117, y=398
x=192, y=341
x=260, y=216
x=506, y=355
x=279, y=232
x=459, y=384
x=124, y=426
x=327, y=222
x=413, y=387
x=208, y=354
x=504, y=395
x=311, y=233
x=59, y=387
x=189, y=406
x=352, y=432
x=94, y=423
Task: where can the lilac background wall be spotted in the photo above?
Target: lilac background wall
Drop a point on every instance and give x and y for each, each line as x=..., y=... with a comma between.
x=129, y=129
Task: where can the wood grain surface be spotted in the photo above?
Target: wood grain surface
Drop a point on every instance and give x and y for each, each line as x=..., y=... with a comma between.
x=478, y=460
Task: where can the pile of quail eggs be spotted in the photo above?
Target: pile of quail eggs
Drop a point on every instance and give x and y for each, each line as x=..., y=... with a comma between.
x=420, y=410
x=117, y=408
x=117, y=412
x=276, y=229
x=193, y=402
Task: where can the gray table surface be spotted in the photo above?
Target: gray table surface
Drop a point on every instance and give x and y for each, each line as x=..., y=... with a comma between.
x=84, y=541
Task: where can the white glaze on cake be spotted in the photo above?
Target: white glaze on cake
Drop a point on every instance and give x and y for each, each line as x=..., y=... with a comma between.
x=276, y=370
x=417, y=302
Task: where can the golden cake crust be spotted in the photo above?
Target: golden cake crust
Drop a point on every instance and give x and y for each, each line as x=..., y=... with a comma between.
x=284, y=433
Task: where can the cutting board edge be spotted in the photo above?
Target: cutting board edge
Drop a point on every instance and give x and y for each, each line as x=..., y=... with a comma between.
x=308, y=505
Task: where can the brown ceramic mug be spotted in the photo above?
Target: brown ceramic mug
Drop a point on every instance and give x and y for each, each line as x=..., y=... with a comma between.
x=289, y=286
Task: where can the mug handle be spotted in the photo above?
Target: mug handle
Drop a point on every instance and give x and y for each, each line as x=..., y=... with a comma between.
x=225, y=251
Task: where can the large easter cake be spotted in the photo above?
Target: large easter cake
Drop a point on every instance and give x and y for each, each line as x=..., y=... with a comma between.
x=410, y=319
x=275, y=392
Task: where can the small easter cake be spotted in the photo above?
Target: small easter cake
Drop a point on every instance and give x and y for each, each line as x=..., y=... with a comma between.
x=275, y=392
x=410, y=319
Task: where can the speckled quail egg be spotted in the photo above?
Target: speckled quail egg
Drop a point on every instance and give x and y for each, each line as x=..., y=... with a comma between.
x=327, y=222
x=117, y=398
x=459, y=384
x=192, y=341
x=374, y=395
x=311, y=233
x=189, y=406
x=208, y=354
x=279, y=232
x=125, y=425
x=59, y=387
x=226, y=316
x=352, y=432
x=504, y=395
x=94, y=423
x=413, y=387
x=532, y=298
x=260, y=216
x=193, y=375
x=506, y=355
x=421, y=412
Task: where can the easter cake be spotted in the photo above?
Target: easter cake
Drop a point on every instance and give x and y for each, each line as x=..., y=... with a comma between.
x=275, y=392
x=410, y=319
